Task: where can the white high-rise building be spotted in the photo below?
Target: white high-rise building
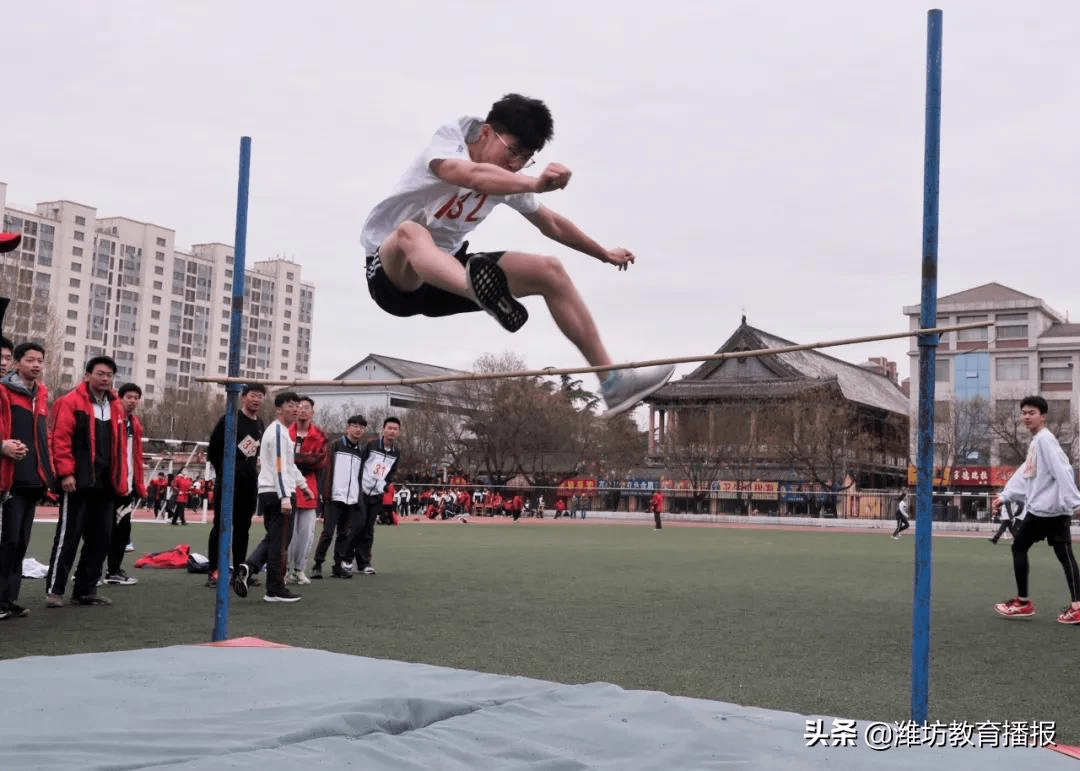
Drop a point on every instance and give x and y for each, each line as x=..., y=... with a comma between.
x=86, y=286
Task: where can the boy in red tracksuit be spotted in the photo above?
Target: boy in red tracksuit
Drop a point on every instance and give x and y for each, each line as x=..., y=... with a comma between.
x=311, y=458
x=89, y=450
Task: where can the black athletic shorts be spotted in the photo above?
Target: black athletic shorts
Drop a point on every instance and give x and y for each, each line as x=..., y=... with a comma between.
x=428, y=300
x=1054, y=529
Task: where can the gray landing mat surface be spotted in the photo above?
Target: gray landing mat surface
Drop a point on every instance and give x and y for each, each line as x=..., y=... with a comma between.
x=204, y=708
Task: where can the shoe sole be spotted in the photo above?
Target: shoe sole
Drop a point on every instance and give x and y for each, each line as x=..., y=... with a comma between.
x=1014, y=615
x=268, y=598
x=630, y=401
x=239, y=582
x=487, y=285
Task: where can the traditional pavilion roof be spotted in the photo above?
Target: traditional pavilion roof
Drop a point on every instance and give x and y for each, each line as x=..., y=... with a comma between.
x=780, y=375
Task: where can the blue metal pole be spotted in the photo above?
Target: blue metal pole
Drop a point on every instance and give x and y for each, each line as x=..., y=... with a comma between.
x=226, y=485
x=924, y=512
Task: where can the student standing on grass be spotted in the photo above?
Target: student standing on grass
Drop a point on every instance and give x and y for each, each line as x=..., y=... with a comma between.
x=25, y=468
x=342, y=496
x=279, y=480
x=310, y=446
x=1046, y=485
x=656, y=504
x=130, y=395
x=418, y=261
x=249, y=430
x=89, y=450
x=902, y=522
x=380, y=460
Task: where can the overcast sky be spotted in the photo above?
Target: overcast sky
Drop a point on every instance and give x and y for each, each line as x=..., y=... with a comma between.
x=759, y=158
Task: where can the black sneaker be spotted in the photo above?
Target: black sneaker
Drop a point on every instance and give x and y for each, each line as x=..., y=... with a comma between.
x=16, y=611
x=282, y=596
x=488, y=287
x=340, y=573
x=240, y=580
x=316, y=572
x=91, y=599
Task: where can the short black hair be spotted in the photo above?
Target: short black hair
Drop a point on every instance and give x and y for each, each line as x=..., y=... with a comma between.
x=127, y=388
x=357, y=420
x=22, y=348
x=106, y=360
x=308, y=399
x=1037, y=402
x=285, y=397
x=5, y=343
x=258, y=388
x=391, y=419
x=529, y=120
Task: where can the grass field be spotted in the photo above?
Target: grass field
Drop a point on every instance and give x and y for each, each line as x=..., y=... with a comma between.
x=812, y=622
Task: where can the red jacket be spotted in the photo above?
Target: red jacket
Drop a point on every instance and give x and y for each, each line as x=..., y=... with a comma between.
x=18, y=406
x=181, y=484
x=311, y=458
x=73, y=442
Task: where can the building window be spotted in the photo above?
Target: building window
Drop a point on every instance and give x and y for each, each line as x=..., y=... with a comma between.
x=151, y=359
x=1011, y=368
x=159, y=256
x=150, y=373
x=73, y=299
x=158, y=285
x=160, y=241
x=74, y=283
x=70, y=330
x=1011, y=326
x=79, y=235
x=80, y=220
x=73, y=315
x=76, y=251
x=971, y=335
x=159, y=270
x=154, y=330
x=1055, y=369
x=149, y=388
x=155, y=300
x=152, y=344
x=76, y=267
x=942, y=368
x=69, y=346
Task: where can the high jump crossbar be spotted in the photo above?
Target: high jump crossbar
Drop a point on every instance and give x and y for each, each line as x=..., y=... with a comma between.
x=548, y=371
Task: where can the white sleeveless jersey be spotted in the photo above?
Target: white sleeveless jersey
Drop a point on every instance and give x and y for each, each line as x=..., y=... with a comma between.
x=447, y=211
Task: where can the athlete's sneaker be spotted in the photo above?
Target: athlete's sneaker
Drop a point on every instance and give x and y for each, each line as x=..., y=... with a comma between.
x=240, y=580
x=368, y=570
x=120, y=578
x=14, y=610
x=488, y=287
x=1069, y=615
x=301, y=578
x=211, y=580
x=290, y=577
x=623, y=388
x=283, y=596
x=316, y=571
x=1015, y=608
x=91, y=600
x=54, y=600
x=130, y=547
x=3, y=613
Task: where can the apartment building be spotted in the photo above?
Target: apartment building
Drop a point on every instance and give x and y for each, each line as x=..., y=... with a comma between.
x=981, y=375
x=87, y=285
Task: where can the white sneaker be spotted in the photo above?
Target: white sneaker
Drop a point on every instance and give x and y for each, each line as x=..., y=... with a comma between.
x=350, y=566
x=301, y=577
x=623, y=388
x=290, y=577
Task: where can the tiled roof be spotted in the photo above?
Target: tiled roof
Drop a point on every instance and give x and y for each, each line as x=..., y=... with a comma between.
x=783, y=374
x=400, y=367
x=1062, y=330
x=987, y=293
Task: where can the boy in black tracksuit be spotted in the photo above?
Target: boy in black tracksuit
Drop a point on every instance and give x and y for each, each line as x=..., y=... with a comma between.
x=342, y=494
x=380, y=460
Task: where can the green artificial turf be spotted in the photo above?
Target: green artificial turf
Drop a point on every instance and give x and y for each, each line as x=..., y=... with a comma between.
x=812, y=622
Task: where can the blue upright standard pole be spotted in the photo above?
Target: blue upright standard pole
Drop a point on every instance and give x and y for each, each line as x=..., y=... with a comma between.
x=226, y=485
x=924, y=519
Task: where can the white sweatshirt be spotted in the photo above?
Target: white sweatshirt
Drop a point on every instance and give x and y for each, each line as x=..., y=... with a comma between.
x=1045, y=483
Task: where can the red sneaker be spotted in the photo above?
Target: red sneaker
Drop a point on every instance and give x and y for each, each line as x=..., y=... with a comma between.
x=1015, y=608
x=1069, y=615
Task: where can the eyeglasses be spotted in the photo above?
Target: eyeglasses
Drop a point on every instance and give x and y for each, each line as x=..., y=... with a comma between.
x=525, y=158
